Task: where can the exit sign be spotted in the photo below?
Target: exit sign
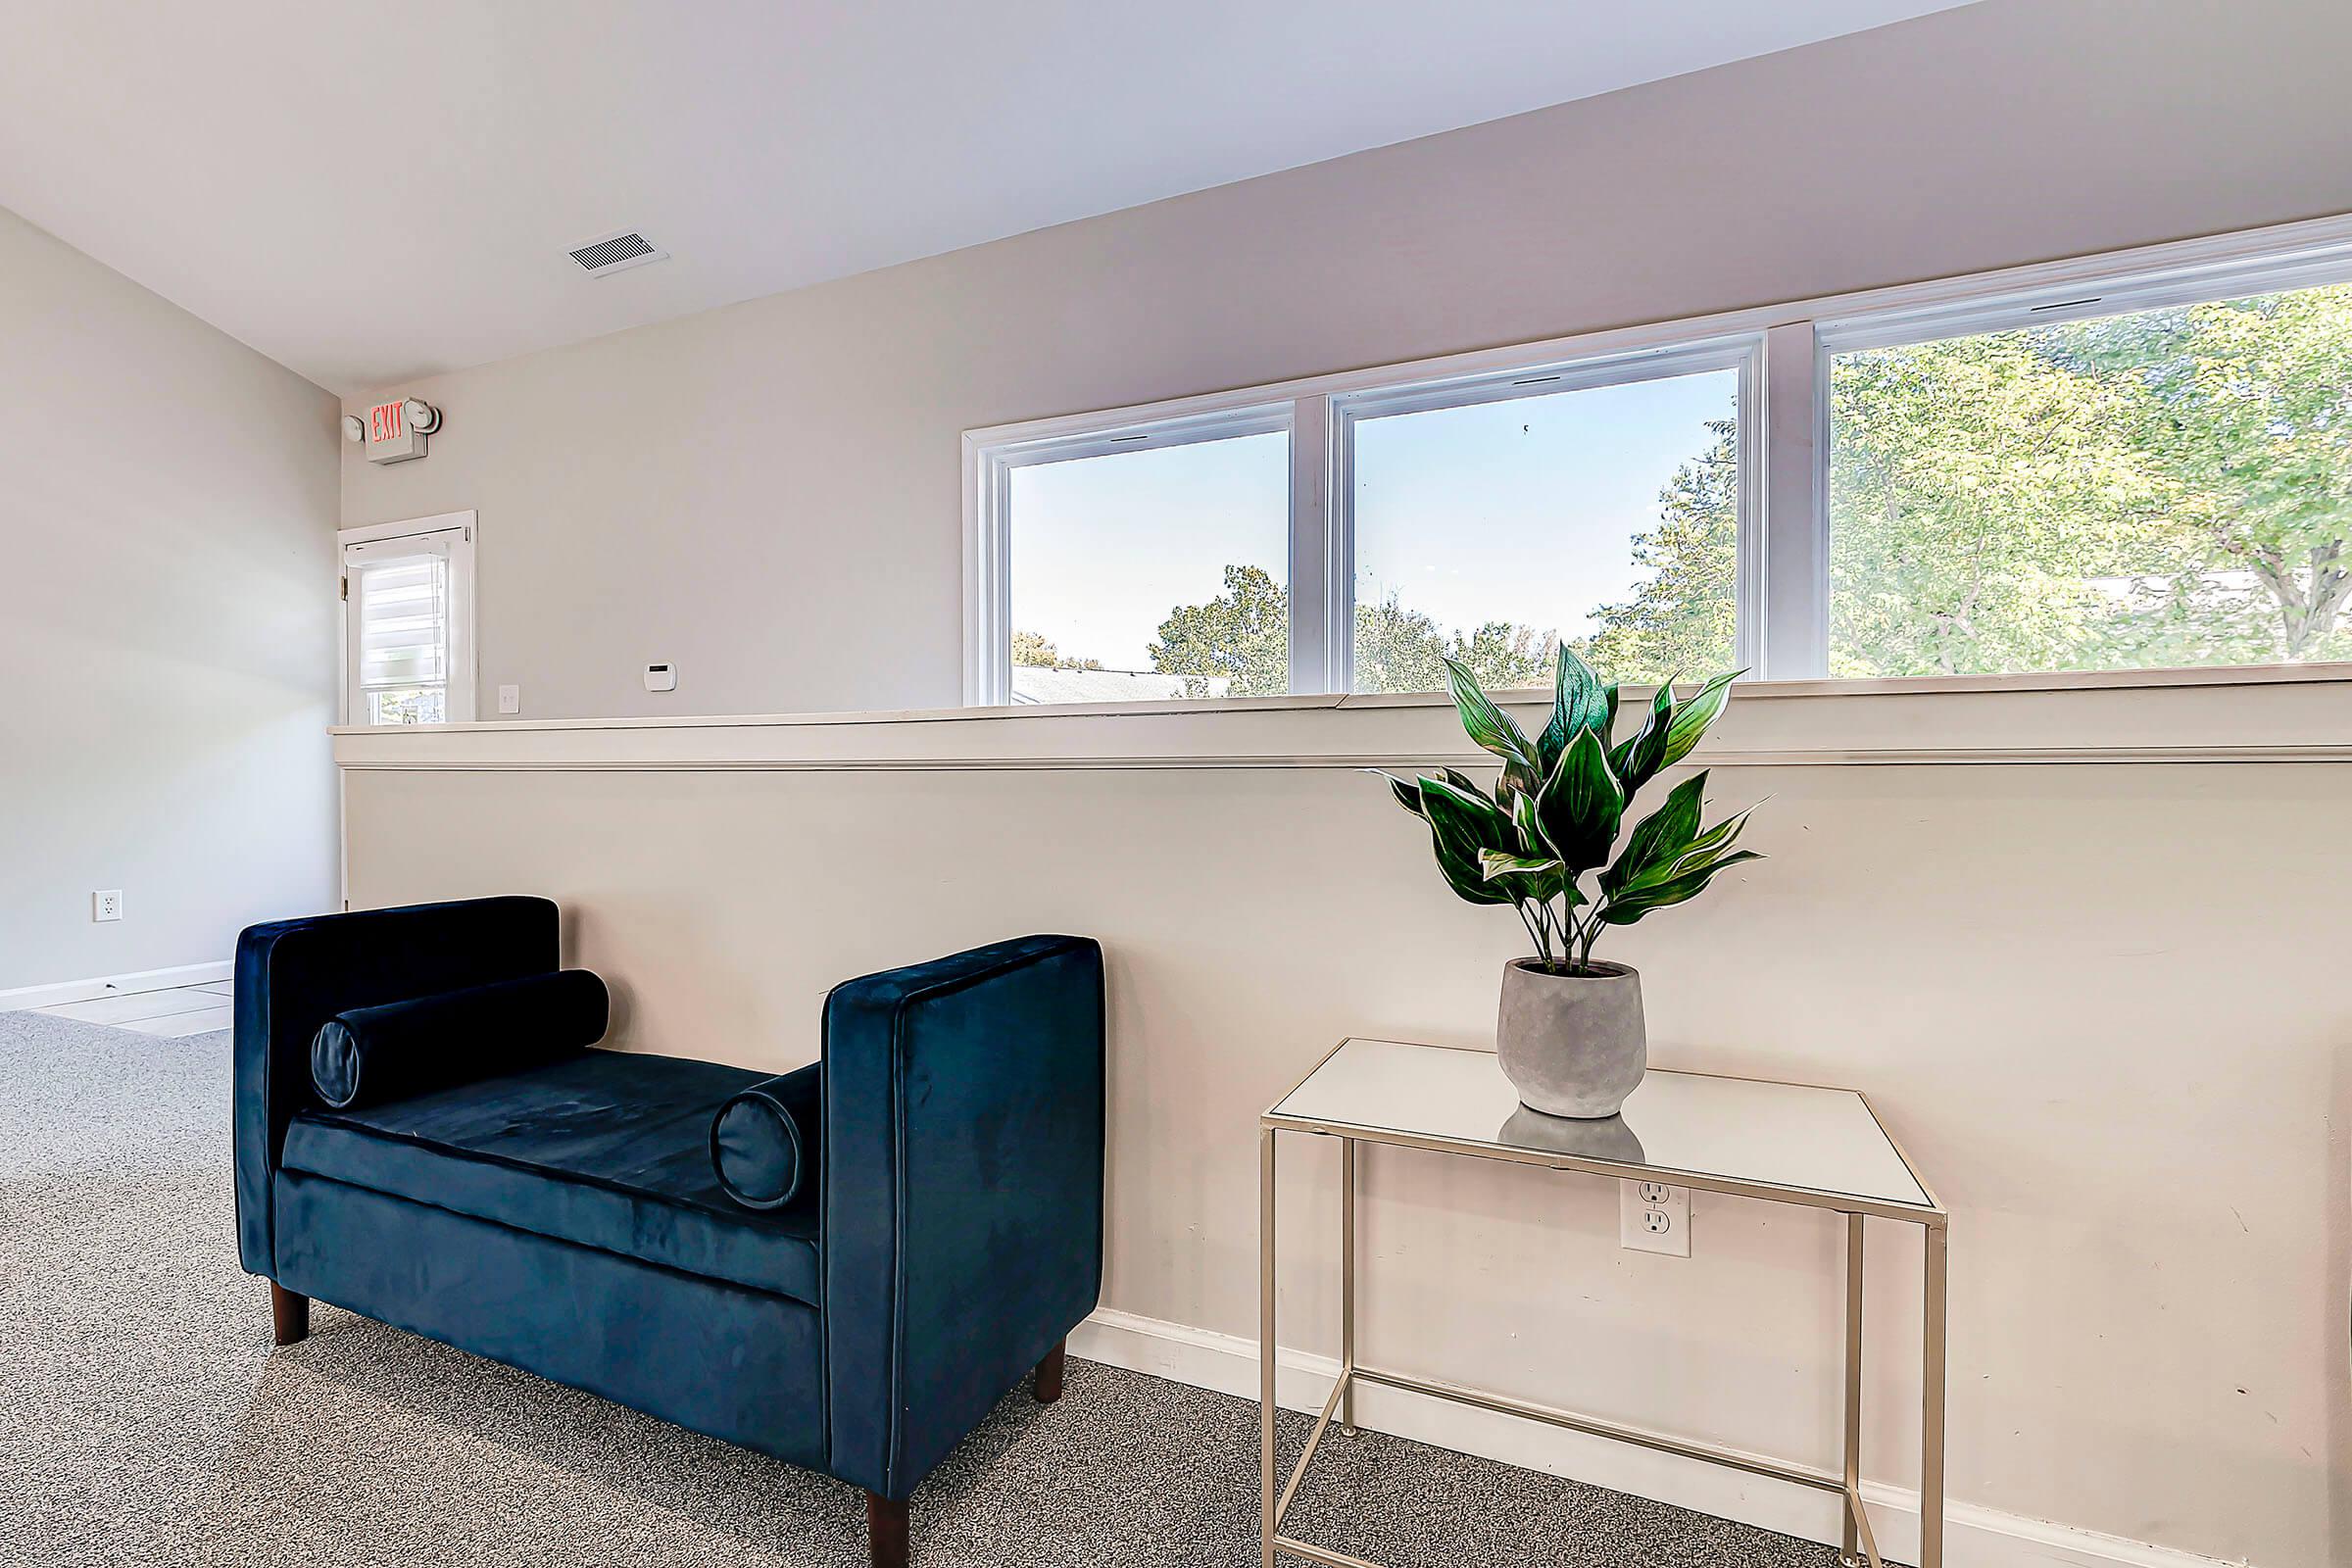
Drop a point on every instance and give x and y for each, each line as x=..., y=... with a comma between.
x=391, y=438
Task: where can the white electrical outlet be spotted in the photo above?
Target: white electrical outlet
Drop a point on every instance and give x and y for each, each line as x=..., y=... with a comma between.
x=1653, y=1217
x=509, y=698
x=107, y=906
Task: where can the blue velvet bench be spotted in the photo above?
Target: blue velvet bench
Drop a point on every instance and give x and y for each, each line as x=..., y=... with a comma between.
x=563, y=1215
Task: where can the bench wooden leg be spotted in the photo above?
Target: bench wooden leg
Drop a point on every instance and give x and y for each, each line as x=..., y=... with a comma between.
x=289, y=1315
x=886, y=1531
x=1047, y=1388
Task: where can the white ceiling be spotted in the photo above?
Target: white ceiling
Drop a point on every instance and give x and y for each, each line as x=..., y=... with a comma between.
x=374, y=192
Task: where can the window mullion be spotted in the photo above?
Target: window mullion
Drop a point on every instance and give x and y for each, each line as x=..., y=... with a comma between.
x=1314, y=559
x=1794, y=583
x=1339, y=585
x=987, y=581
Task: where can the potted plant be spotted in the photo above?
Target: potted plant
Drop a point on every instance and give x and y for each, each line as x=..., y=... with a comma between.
x=1570, y=1033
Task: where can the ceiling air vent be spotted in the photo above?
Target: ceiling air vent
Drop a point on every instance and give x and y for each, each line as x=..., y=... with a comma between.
x=617, y=253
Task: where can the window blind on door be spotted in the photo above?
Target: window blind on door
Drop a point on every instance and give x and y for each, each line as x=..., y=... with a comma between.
x=399, y=596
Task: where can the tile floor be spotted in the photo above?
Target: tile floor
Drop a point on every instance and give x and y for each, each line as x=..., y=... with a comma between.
x=180, y=1010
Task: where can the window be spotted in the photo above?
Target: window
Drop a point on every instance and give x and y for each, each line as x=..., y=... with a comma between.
x=1492, y=528
x=2109, y=465
x=2125, y=490
x=1152, y=566
x=407, y=618
x=1351, y=541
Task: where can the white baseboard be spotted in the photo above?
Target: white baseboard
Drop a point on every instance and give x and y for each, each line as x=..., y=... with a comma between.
x=1973, y=1537
x=112, y=985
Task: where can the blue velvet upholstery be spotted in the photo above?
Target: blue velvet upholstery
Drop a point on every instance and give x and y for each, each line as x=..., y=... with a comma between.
x=607, y=1149
x=946, y=1232
x=367, y=1055
x=962, y=1192
x=763, y=1140
x=736, y=1363
x=294, y=975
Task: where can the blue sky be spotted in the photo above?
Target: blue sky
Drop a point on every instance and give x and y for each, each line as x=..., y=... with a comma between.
x=1521, y=510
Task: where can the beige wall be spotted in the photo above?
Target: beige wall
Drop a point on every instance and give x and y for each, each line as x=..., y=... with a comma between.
x=768, y=495
x=2099, y=1002
x=167, y=515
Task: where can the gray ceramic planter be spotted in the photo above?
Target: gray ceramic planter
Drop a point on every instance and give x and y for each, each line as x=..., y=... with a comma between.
x=1571, y=1044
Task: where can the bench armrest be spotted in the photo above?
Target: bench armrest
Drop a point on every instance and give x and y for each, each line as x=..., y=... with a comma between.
x=962, y=1192
x=293, y=975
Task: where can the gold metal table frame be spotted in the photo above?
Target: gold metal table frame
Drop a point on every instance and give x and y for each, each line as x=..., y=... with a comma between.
x=1859, y=1547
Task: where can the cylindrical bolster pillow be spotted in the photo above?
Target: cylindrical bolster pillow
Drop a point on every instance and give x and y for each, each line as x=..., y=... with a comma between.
x=763, y=1140
x=367, y=1055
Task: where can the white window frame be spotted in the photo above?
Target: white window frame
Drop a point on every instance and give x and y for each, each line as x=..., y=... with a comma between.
x=1320, y=417
x=2232, y=266
x=1743, y=353
x=1783, y=354
x=988, y=555
x=460, y=686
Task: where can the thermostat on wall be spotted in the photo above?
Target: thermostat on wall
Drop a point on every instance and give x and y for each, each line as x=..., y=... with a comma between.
x=661, y=677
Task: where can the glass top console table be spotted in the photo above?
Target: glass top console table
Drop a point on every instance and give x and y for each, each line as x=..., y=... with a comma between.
x=1779, y=1143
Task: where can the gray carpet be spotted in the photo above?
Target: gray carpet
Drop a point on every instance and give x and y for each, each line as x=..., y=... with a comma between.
x=147, y=1420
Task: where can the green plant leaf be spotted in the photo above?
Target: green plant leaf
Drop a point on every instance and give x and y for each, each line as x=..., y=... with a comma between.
x=1542, y=878
x=1530, y=828
x=1529, y=825
x=1505, y=788
x=1462, y=824
x=1640, y=758
x=1464, y=804
x=1407, y=795
x=1507, y=793
x=1633, y=905
x=1490, y=728
x=1581, y=804
x=1579, y=702
x=1699, y=854
x=1661, y=838
x=1714, y=841
x=1493, y=863
x=1705, y=706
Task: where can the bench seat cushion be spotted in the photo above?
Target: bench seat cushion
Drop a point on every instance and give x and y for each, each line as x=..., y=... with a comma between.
x=604, y=1149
